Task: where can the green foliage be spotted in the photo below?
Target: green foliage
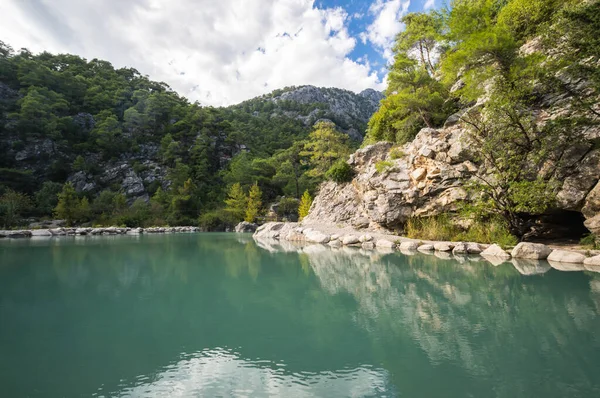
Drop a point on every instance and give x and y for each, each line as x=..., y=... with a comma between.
x=590, y=241
x=396, y=153
x=305, y=204
x=236, y=202
x=46, y=198
x=12, y=205
x=287, y=208
x=254, y=205
x=68, y=204
x=340, y=172
x=443, y=228
x=217, y=220
x=324, y=147
x=382, y=166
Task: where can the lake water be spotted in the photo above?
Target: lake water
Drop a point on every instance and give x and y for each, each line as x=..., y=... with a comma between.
x=218, y=315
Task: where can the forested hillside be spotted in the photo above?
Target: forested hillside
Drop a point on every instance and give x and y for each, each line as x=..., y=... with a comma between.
x=134, y=152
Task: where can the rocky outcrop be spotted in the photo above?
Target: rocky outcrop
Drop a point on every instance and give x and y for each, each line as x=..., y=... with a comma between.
x=245, y=227
x=427, y=177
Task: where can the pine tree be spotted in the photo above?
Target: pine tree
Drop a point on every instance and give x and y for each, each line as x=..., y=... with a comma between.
x=254, y=203
x=68, y=204
x=236, y=202
x=305, y=204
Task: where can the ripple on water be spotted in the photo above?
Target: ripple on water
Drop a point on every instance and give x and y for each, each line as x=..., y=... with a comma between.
x=219, y=372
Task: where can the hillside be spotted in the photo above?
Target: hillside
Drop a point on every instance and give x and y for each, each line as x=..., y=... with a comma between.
x=115, y=132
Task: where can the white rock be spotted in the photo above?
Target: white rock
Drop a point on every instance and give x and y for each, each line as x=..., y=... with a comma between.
x=565, y=256
x=532, y=251
x=316, y=237
x=594, y=261
x=443, y=246
x=365, y=238
x=368, y=245
x=384, y=243
x=495, y=251
x=426, y=248
x=473, y=248
x=333, y=237
x=460, y=248
x=40, y=232
x=568, y=267
x=335, y=243
x=408, y=246
x=350, y=240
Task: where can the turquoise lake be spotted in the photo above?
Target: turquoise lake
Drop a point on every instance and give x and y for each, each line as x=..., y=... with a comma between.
x=220, y=315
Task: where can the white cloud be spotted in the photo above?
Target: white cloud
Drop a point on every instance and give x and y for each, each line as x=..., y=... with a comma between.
x=429, y=4
x=216, y=52
x=386, y=25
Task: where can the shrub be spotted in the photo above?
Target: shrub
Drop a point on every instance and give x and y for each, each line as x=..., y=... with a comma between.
x=591, y=241
x=383, y=165
x=217, y=220
x=397, y=153
x=288, y=208
x=340, y=172
x=442, y=228
x=305, y=204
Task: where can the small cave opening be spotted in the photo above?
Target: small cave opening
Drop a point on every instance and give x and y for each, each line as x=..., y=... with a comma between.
x=559, y=226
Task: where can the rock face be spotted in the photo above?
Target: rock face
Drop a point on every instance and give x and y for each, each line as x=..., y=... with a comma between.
x=245, y=227
x=426, y=177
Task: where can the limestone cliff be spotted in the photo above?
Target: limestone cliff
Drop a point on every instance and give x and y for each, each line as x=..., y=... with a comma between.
x=427, y=176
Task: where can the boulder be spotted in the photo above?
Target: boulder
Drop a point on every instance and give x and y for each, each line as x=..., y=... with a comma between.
x=368, y=245
x=314, y=236
x=495, y=251
x=532, y=251
x=41, y=232
x=245, y=227
x=473, y=248
x=427, y=248
x=592, y=261
x=443, y=246
x=565, y=256
x=460, y=248
x=385, y=243
x=566, y=267
x=365, y=238
x=350, y=240
x=409, y=246
x=335, y=243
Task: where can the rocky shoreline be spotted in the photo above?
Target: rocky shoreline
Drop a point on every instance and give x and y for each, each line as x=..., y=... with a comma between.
x=525, y=254
x=51, y=232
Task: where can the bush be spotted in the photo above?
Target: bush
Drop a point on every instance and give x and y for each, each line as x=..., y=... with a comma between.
x=397, y=153
x=591, y=241
x=216, y=220
x=442, y=228
x=340, y=172
x=383, y=165
x=288, y=208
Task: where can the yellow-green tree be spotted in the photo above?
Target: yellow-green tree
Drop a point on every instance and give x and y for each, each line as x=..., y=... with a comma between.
x=236, y=202
x=305, y=203
x=325, y=146
x=254, y=205
x=68, y=204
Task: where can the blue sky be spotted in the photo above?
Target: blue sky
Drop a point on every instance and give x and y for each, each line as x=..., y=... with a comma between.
x=220, y=52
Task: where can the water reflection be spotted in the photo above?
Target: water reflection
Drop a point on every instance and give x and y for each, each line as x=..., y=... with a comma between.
x=223, y=373
x=205, y=315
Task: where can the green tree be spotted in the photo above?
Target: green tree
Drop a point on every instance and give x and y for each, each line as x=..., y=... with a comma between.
x=68, y=204
x=325, y=145
x=236, y=202
x=305, y=204
x=46, y=198
x=12, y=205
x=84, y=211
x=254, y=206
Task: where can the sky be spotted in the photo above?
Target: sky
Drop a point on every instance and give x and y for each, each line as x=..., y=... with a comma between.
x=220, y=52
